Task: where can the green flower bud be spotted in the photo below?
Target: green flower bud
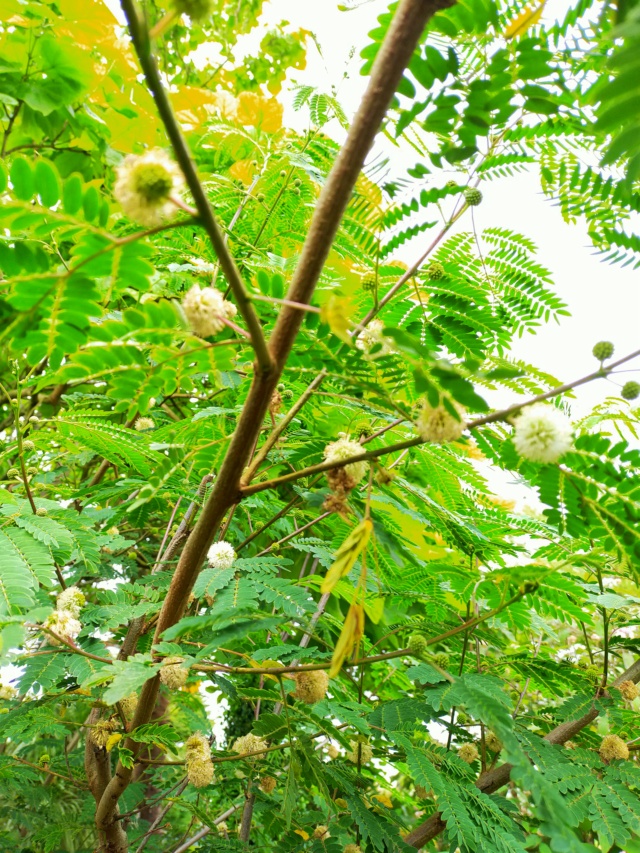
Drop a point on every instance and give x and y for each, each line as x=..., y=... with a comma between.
x=435, y=271
x=603, y=350
x=12, y=473
x=631, y=390
x=417, y=644
x=28, y=445
x=41, y=512
x=472, y=196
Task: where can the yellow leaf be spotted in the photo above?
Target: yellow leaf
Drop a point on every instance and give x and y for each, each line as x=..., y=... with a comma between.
x=243, y=171
x=374, y=608
x=304, y=835
x=525, y=20
x=194, y=687
x=352, y=633
x=263, y=113
x=383, y=798
x=347, y=554
x=113, y=740
x=336, y=312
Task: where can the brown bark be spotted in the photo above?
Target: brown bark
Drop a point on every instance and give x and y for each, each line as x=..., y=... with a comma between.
x=394, y=55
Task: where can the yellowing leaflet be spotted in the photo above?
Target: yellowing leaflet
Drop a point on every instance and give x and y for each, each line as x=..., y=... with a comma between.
x=347, y=554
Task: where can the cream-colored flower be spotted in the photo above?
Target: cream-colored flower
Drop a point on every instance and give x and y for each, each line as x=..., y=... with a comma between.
x=129, y=705
x=363, y=750
x=71, y=601
x=102, y=731
x=468, y=752
x=542, y=433
x=311, y=686
x=198, y=761
x=493, y=742
x=8, y=691
x=146, y=185
x=173, y=675
x=613, y=748
x=144, y=423
x=352, y=848
x=629, y=690
x=221, y=555
x=206, y=310
x=249, y=744
x=113, y=531
x=267, y=784
x=371, y=336
x=64, y=625
x=333, y=751
x=437, y=425
x=322, y=832
x=345, y=448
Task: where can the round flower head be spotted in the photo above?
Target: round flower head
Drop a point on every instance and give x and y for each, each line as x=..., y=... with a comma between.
x=143, y=424
x=145, y=185
x=197, y=10
x=321, y=831
x=438, y=425
x=417, y=644
x=173, y=675
x=493, y=742
x=129, y=705
x=468, y=752
x=64, y=625
x=363, y=750
x=267, y=784
x=311, y=686
x=345, y=448
x=206, y=310
x=352, y=848
x=221, y=555
x=333, y=751
x=222, y=827
x=613, y=748
x=113, y=531
x=542, y=433
x=7, y=691
x=42, y=512
x=71, y=601
x=102, y=731
x=249, y=744
x=198, y=761
x=629, y=690
x=372, y=336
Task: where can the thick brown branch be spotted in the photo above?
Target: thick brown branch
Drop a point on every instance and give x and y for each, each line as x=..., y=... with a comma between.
x=499, y=776
x=395, y=53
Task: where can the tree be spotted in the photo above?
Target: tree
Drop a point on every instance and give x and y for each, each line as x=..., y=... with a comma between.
x=246, y=446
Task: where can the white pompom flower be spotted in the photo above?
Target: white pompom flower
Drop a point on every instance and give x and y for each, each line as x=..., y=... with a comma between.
x=542, y=433
x=436, y=424
x=144, y=423
x=206, y=310
x=371, y=336
x=147, y=185
x=345, y=448
x=71, y=601
x=221, y=555
x=63, y=625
